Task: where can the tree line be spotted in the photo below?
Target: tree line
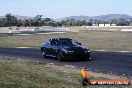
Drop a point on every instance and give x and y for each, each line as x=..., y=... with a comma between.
x=10, y=20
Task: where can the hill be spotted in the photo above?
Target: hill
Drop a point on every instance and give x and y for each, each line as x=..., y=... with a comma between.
x=101, y=17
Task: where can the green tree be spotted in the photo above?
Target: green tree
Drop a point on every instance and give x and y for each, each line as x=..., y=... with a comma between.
x=11, y=20
x=38, y=20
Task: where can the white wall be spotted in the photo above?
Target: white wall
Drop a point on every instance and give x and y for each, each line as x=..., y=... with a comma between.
x=101, y=25
x=107, y=25
x=113, y=24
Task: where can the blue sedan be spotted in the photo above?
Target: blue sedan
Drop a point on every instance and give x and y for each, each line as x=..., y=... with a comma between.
x=64, y=48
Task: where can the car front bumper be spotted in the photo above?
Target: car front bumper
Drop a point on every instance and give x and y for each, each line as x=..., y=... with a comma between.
x=77, y=55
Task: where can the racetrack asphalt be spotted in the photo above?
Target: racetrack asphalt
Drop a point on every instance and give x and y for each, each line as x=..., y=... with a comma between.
x=119, y=63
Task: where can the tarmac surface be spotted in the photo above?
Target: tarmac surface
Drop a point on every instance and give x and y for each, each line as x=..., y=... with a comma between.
x=119, y=63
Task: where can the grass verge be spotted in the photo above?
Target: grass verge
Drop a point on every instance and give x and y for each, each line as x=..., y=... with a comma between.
x=28, y=74
x=31, y=74
x=110, y=41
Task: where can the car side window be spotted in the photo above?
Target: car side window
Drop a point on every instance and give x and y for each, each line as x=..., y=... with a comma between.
x=75, y=42
x=53, y=42
x=47, y=43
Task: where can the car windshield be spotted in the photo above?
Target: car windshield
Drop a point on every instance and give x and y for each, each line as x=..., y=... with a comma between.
x=67, y=42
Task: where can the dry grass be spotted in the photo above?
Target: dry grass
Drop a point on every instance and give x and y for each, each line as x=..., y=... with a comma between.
x=111, y=41
x=31, y=74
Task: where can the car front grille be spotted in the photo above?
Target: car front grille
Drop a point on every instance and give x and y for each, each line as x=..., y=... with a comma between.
x=79, y=52
x=77, y=55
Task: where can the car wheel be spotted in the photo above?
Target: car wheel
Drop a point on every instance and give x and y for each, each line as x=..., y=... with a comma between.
x=43, y=53
x=60, y=56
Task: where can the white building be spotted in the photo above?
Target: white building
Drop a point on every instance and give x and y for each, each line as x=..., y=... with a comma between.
x=107, y=25
x=113, y=24
x=101, y=25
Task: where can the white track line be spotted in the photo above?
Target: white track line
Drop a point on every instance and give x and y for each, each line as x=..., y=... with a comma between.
x=50, y=33
x=41, y=33
x=22, y=34
x=23, y=47
x=69, y=66
x=114, y=51
x=125, y=51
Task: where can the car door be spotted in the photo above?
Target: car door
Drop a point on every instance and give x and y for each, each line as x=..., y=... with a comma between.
x=48, y=48
x=53, y=47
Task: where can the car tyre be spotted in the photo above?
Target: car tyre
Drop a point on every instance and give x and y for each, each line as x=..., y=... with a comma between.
x=60, y=56
x=43, y=54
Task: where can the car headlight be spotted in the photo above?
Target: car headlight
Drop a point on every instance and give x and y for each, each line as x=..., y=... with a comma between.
x=87, y=51
x=70, y=51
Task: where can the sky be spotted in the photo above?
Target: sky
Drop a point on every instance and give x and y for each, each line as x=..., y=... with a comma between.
x=65, y=8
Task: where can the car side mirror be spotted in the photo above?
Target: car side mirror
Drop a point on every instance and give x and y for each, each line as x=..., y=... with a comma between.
x=79, y=44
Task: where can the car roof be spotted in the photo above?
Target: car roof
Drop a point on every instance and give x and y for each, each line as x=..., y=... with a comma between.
x=61, y=39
